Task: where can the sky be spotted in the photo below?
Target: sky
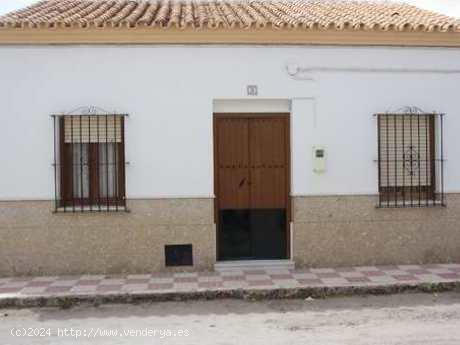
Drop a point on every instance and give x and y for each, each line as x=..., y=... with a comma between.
x=449, y=7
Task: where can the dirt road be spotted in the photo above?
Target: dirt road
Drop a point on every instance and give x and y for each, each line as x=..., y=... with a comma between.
x=402, y=319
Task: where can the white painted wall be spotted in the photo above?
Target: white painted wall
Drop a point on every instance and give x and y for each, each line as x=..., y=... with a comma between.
x=255, y=105
x=169, y=91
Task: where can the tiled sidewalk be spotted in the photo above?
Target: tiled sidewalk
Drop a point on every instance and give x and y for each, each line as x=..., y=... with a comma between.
x=14, y=291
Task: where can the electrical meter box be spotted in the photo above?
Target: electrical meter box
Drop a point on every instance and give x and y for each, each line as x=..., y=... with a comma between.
x=319, y=159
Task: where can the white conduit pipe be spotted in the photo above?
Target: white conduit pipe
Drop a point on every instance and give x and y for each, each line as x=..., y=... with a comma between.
x=297, y=72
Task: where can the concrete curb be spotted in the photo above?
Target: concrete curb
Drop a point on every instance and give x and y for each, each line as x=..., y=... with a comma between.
x=70, y=300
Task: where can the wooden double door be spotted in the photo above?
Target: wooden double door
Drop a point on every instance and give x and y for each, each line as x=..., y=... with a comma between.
x=252, y=170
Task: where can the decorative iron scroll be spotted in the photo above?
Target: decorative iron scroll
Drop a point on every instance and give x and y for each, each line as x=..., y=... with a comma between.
x=411, y=160
x=89, y=110
x=409, y=110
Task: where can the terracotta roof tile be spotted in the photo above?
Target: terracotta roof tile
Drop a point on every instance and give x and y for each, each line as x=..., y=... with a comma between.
x=326, y=14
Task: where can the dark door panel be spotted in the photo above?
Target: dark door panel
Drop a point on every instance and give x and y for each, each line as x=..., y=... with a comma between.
x=252, y=234
x=235, y=241
x=268, y=233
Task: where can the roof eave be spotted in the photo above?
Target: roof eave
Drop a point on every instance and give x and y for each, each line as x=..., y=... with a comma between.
x=45, y=36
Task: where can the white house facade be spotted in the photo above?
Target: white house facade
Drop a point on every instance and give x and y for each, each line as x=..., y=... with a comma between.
x=320, y=154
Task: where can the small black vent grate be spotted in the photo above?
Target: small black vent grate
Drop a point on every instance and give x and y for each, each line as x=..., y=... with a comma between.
x=179, y=255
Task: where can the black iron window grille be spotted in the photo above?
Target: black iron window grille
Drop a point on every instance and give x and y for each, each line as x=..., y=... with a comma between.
x=89, y=161
x=410, y=159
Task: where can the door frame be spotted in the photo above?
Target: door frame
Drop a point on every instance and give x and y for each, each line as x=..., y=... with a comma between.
x=287, y=117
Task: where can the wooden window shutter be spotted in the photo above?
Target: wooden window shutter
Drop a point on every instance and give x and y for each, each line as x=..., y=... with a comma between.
x=405, y=150
x=93, y=129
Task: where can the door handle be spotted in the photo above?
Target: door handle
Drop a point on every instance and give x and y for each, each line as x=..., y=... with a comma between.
x=242, y=182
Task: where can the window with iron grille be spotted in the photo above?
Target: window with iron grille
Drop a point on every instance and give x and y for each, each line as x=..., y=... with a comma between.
x=89, y=162
x=410, y=159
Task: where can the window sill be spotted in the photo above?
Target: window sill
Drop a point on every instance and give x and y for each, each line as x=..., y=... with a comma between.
x=92, y=209
x=415, y=204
